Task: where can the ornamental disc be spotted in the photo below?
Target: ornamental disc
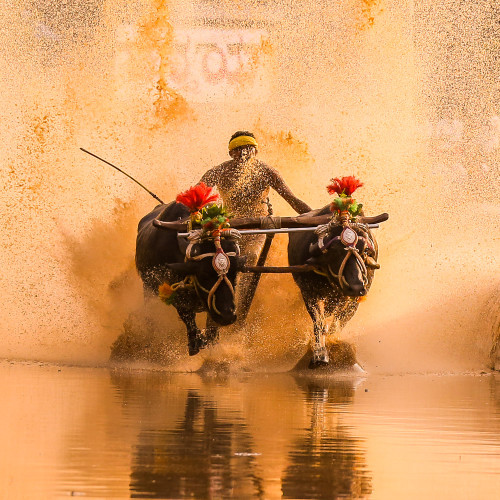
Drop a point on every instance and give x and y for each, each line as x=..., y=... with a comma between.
x=221, y=263
x=349, y=237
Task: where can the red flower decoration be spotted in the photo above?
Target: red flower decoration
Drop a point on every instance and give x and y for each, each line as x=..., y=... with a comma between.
x=196, y=197
x=344, y=185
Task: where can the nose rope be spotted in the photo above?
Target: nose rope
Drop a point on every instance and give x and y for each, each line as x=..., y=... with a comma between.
x=211, y=294
x=359, y=261
x=351, y=249
x=344, y=285
x=220, y=264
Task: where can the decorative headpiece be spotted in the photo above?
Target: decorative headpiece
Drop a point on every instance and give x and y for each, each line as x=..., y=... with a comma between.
x=196, y=197
x=202, y=201
x=345, y=187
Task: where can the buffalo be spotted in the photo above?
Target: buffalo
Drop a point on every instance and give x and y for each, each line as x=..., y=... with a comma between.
x=201, y=268
x=343, y=256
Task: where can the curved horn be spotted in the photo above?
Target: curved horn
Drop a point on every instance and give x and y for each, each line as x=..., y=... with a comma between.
x=172, y=226
x=373, y=220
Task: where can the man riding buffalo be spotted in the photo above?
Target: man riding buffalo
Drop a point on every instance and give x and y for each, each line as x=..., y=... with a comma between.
x=244, y=183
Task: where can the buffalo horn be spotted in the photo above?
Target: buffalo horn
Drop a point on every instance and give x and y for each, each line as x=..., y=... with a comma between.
x=376, y=219
x=173, y=226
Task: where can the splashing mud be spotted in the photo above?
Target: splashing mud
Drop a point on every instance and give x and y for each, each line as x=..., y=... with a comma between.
x=329, y=88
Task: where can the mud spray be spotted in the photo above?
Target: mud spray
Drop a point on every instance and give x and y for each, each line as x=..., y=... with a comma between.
x=402, y=94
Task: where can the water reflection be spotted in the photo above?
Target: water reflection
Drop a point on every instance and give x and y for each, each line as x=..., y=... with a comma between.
x=220, y=446
x=75, y=432
x=195, y=458
x=327, y=461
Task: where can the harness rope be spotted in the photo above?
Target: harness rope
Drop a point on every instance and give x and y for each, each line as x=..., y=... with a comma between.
x=220, y=262
x=187, y=282
x=359, y=262
x=322, y=231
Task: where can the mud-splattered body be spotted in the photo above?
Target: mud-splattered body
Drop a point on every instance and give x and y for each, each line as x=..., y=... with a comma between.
x=160, y=258
x=322, y=293
x=244, y=184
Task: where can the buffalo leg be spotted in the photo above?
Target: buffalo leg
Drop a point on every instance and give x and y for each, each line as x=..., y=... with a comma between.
x=320, y=354
x=196, y=340
x=211, y=331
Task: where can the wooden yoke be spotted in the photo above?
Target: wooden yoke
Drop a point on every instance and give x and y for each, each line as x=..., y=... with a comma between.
x=277, y=222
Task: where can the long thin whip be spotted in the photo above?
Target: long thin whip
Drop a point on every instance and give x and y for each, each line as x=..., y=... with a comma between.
x=124, y=173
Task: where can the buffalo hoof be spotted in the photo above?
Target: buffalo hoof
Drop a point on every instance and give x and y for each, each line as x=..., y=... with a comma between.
x=196, y=344
x=320, y=358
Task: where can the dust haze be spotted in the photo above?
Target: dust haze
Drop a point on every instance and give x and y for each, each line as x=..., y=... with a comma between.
x=404, y=95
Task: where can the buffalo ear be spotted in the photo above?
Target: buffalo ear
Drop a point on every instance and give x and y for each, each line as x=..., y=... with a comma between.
x=314, y=250
x=183, y=267
x=312, y=261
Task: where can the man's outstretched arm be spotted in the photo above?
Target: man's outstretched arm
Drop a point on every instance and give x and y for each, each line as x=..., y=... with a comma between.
x=279, y=185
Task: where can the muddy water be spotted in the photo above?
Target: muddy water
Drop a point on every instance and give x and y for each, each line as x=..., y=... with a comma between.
x=102, y=433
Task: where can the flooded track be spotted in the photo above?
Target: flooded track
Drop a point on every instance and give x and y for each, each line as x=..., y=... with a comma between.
x=100, y=433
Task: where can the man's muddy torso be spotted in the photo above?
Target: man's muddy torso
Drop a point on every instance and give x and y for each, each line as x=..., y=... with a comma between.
x=243, y=187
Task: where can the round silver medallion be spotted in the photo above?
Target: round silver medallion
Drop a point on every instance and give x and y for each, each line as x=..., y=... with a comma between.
x=349, y=237
x=221, y=263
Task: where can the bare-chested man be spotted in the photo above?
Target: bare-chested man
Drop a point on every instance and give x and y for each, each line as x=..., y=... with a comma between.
x=244, y=183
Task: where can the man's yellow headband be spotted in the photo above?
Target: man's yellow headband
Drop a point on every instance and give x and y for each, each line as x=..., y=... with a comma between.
x=242, y=140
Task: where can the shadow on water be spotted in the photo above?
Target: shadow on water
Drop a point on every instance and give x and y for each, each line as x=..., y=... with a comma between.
x=219, y=446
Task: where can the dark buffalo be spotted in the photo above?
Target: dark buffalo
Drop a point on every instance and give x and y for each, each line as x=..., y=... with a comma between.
x=192, y=267
x=343, y=254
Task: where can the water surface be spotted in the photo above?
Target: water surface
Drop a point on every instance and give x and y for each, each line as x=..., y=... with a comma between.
x=107, y=433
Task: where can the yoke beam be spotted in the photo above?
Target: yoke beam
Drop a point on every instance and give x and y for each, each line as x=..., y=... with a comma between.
x=282, y=230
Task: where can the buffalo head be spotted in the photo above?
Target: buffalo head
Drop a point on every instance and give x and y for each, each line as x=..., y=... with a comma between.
x=345, y=255
x=213, y=268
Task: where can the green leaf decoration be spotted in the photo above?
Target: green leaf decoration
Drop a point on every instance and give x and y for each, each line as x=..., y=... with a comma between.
x=214, y=216
x=355, y=209
x=339, y=204
x=214, y=211
x=344, y=202
x=170, y=300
